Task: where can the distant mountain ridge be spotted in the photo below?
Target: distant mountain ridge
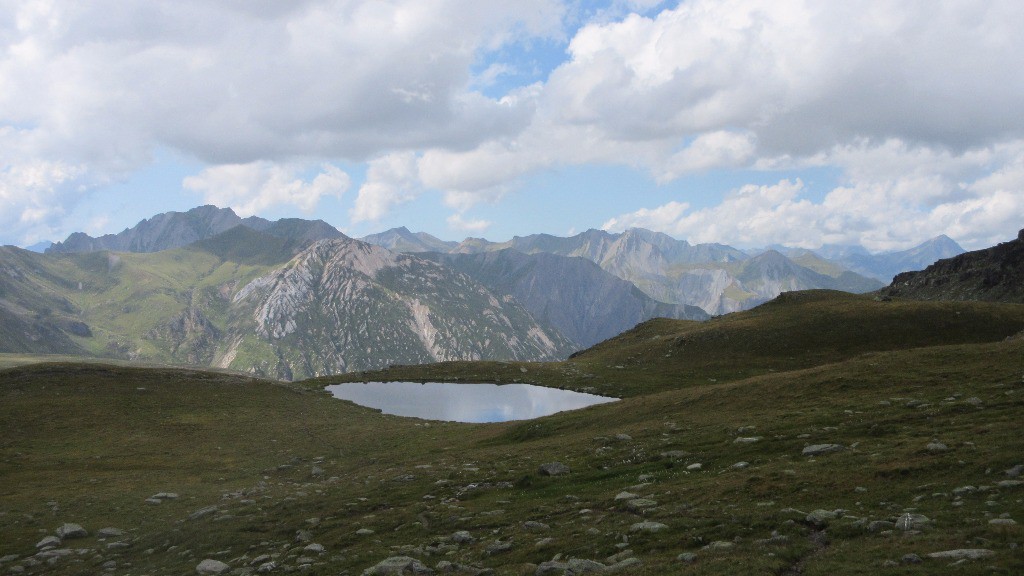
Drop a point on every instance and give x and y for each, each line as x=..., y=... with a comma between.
x=994, y=274
x=714, y=277
x=887, y=265
x=268, y=305
x=176, y=229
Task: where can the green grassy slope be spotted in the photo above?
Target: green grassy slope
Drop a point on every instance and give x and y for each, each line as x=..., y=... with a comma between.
x=89, y=444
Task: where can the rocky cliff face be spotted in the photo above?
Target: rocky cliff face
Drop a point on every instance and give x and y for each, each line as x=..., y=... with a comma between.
x=344, y=305
x=995, y=274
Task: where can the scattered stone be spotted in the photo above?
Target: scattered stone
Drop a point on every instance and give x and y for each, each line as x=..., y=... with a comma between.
x=69, y=531
x=497, y=548
x=584, y=566
x=48, y=542
x=647, y=527
x=553, y=469
x=623, y=437
x=740, y=465
x=645, y=478
x=623, y=565
x=266, y=567
x=746, y=440
x=1010, y=483
x=463, y=537
x=911, y=521
x=675, y=454
x=154, y=501
x=695, y=466
x=165, y=496
x=718, y=545
x=544, y=542
x=364, y=532
x=109, y=533
x=821, y=517
x=640, y=504
x=202, y=512
x=820, y=449
x=551, y=568
x=314, y=549
x=962, y=554
x=535, y=526
x=1016, y=471
x=974, y=401
x=398, y=566
x=1002, y=522
x=935, y=446
x=626, y=496
x=688, y=557
x=910, y=559
x=210, y=566
x=880, y=525
x=9, y=558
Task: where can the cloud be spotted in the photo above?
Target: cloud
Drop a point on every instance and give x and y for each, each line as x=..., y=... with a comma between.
x=391, y=180
x=787, y=85
x=916, y=194
x=455, y=222
x=254, y=187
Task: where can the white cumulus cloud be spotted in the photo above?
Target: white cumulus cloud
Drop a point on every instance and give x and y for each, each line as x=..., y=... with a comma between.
x=252, y=188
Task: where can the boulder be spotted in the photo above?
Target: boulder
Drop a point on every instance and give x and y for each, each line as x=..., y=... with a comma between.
x=210, y=566
x=553, y=469
x=398, y=566
x=820, y=449
x=69, y=531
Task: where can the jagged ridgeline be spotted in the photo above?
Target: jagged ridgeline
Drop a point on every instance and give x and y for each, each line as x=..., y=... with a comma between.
x=280, y=306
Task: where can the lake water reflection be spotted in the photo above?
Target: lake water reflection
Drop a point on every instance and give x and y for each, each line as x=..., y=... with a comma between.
x=464, y=402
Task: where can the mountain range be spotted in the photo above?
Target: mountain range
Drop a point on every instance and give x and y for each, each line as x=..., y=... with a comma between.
x=296, y=298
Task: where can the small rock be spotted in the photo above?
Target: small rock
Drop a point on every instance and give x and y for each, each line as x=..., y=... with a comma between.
x=314, y=549
x=626, y=496
x=551, y=568
x=1010, y=483
x=544, y=542
x=398, y=566
x=962, y=554
x=1015, y=471
x=747, y=440
x=688, y=557
x=740, y=465
x=165, y=496
x=534, y=526
x=640, y=504
x=623, y=565
x=553, y=469
x=675, y=454
x=497, y=548
x=202, y=512
x=623, y=437
x=880, y=525
x=910, y=521
x=821, y=517
x=647, y=527
x=364, y=532
x=462, y=537
x=109, y=533
x=718, y=545
x=210, y=566
x=266, y=567
x=820, y=449
x=48, y=542
x=910, y=559
x=936, y=446
x=1002, y=522
x=69, y=531
x=583, y=566
x=695, y=466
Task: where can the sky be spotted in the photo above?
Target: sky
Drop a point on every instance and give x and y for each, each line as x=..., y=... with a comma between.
x=745, y=122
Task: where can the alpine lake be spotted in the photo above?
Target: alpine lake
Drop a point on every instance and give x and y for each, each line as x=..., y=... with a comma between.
x=464, y=402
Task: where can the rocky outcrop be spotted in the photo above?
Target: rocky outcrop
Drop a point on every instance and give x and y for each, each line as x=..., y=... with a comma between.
x=995, y=274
